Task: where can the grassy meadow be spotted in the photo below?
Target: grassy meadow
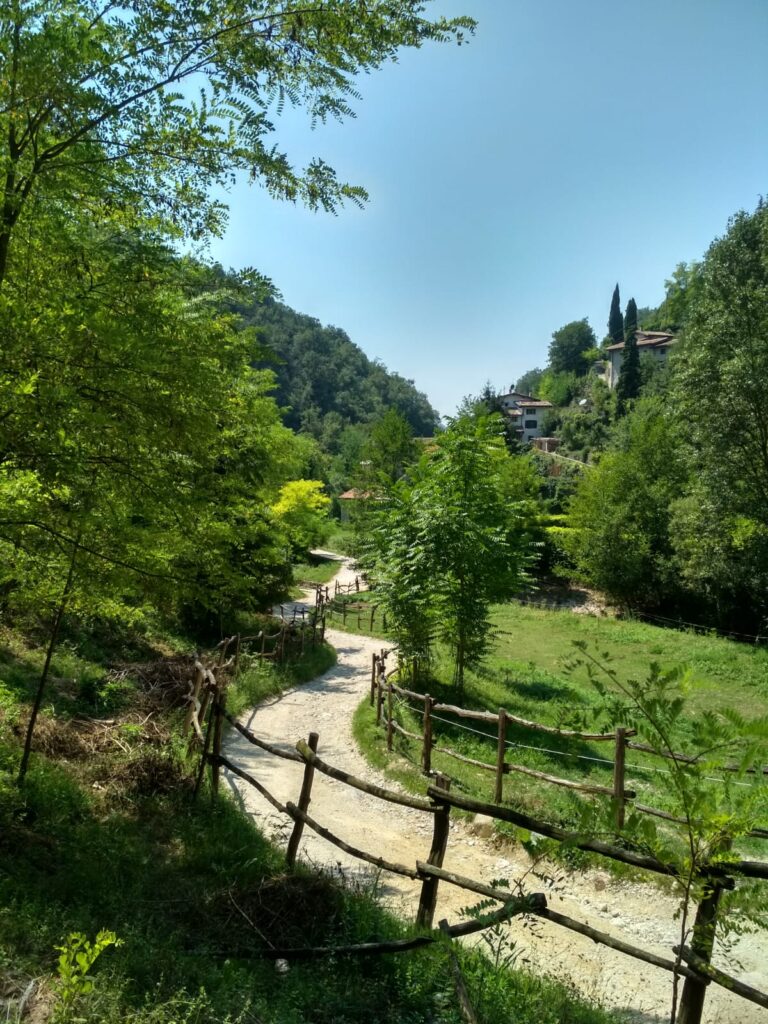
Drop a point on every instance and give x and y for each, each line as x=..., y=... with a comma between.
x=530, y=673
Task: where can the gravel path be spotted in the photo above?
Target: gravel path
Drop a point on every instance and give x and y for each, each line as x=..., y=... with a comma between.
x=639, y=914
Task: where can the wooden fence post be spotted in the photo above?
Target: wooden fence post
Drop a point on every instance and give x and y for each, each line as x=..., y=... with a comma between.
x=197, y=682
x=500, y=752
x=390, y=727
x=465, y=1004
x=428, y=898
x=379, y=699
x=426, y=753
x=205, y=698
x=303, y=804
x=219, y=706
x=206, y=743
x=373, y=678
x=618, y=777
x=373, y=612
x=702, y=941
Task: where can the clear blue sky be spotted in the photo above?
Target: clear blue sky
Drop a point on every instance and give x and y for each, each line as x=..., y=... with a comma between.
x=513, y=181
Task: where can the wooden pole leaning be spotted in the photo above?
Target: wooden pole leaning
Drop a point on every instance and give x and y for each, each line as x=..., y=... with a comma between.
x=390, y=720
x=373, y=678
x=197, y=682
x=465, y=1003
x=425, y=913
x=426, y=753
x=379, y=696
x=206, y=742
x=702, y=942
x=303, y=804
x=219, y=707
x=501, y=747
x=619, y=796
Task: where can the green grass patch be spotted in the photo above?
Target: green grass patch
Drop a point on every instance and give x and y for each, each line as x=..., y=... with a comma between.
x=526, y=674
x=315, y=570
x=340, y=539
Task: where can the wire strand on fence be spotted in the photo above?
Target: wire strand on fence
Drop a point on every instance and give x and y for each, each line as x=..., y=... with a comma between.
x=512, y=744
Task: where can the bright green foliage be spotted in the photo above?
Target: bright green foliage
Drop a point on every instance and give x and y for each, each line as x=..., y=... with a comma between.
x=615, y=319
x=560, y=388
x=620, y=513
x=301, y=510
x=78, y=956
x=388, y=452
x=716, y=808
x=586, y=431
x=568, y=345
x=140, y=436
x=682, y=290
x=450, y=542
x=721, y=393
x=148, y=105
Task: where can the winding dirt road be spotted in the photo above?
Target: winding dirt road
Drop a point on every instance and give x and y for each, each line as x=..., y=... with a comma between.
x=643, y=915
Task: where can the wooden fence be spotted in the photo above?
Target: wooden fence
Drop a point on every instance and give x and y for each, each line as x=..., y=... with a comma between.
x=337, y=605
x=690, y=962
x=384, y=690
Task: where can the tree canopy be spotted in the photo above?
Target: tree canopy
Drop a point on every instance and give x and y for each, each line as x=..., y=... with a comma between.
x=568, y=345
x=146, y=105
x=452, y=538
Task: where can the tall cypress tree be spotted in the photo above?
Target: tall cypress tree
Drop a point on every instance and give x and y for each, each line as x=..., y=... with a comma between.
x=628, y=385
x=630, y=320
x=615, y=319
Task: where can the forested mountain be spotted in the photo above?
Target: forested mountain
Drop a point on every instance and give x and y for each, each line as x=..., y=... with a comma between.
x=324, y=380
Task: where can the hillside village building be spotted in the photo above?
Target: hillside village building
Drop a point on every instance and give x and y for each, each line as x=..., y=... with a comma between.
x=656, y=343
x=526, y=413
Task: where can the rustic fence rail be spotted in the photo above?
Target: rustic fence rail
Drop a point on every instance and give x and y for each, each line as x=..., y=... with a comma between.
x=440, y=800
x=383, y=689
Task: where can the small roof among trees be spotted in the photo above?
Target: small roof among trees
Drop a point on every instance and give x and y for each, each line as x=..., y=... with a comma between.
x=647, y=339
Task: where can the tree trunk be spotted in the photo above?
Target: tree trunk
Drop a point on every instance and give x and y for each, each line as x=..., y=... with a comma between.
x=47, y=665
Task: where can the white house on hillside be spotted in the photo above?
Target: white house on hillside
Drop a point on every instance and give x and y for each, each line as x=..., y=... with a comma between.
x=526, y=413
x=655, y=343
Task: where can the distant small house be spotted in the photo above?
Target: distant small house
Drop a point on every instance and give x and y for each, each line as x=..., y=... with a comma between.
x=526, y=413
x=348, y=497
x=655, y=343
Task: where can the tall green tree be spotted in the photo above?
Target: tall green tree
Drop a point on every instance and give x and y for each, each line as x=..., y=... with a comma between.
x=630, y=319
x=720, y=391
x=456, y=537
x=568, y=345
x=630, y=378
x=389, y=450
x=147, y=105
x=139, y=447
x=620, y=514
x=615, y=319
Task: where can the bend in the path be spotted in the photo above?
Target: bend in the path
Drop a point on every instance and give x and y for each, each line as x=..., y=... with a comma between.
x=636, y=913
